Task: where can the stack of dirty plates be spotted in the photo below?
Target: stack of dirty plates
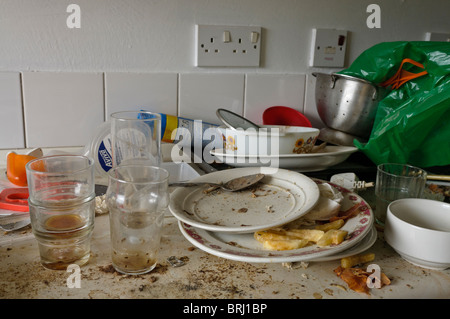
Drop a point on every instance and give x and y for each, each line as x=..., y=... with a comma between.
x=223, y=223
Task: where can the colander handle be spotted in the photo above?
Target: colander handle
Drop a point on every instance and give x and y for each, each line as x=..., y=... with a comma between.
x=333, y=81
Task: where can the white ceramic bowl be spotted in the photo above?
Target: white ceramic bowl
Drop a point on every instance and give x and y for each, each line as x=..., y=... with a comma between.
x=419, y=230
x=269, y=140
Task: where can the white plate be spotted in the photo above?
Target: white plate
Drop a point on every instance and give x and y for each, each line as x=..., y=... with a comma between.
x=282, y=197
x=243, y=247
x=200, y=242
x=331, y=155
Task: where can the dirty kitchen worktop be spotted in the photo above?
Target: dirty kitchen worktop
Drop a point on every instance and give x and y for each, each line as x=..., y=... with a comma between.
x=203, y=276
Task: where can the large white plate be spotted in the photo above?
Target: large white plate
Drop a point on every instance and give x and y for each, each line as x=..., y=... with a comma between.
x=331, y=155
x=215, y=248
x=243, y=247
x=283, y=196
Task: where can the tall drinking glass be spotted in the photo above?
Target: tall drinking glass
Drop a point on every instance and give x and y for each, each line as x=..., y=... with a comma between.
x=137, y=198
x=136, y=138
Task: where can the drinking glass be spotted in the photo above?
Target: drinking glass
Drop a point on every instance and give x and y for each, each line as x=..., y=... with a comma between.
x=61, y=203
x=396, y=181
x=136, y=138
x=137, y=198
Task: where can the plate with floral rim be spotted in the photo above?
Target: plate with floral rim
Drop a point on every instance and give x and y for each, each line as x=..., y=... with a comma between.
x=243, y=247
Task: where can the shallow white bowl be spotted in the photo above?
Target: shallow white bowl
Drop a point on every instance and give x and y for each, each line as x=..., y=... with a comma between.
x=419, y=230
x=269, y=140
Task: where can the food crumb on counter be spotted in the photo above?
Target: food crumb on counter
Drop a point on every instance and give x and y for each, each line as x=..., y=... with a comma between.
x=295, y=265
x=338, y=286
x=100, y=205
x=288, y=265
x=328, y=291
x=317, y=295
x=107, y=269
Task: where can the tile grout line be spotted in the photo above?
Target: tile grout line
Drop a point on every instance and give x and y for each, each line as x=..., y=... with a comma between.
x=244, y=104
x=178, y=95
x=104, y=96
x=304, y=94
x=22, y=95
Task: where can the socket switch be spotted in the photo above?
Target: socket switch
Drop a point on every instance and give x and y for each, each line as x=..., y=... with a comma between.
x=227, y=46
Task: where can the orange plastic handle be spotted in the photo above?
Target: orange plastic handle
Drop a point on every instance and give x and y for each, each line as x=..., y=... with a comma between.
x=403, y=76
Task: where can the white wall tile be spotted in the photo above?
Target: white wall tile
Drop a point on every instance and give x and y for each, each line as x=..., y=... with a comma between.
x=62, y=109
x=11, y=115
x=135, y=91
x=202, y=94
x=310, y=102
x=266, y=90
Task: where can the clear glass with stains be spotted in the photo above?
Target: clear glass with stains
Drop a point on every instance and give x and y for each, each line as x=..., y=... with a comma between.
x=61, y=201
x=137, y=198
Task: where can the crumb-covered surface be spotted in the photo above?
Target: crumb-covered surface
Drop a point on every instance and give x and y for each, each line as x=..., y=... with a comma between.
x=202, y=276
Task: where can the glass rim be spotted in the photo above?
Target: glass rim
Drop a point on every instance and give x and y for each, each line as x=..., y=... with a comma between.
x=421, y=171
x=115, y=116
x=89, y=166
x=155, y=168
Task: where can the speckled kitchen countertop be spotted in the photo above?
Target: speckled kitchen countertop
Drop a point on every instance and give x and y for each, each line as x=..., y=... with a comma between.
x=203, y=276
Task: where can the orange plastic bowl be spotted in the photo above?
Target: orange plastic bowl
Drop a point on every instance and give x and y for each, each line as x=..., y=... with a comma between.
x=283, y=115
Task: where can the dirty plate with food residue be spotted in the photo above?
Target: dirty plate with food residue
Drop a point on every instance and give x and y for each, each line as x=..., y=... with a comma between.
x=282, y=196
x=244, y=247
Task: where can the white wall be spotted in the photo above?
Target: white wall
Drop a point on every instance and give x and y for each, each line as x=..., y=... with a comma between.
x=156, y=38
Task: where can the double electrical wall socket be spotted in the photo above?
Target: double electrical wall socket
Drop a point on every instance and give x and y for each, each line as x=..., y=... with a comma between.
x=328, y=48
x=227, y=46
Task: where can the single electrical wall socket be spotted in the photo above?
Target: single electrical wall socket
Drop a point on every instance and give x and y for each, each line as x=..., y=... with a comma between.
x=227, y=46
x=328, y=48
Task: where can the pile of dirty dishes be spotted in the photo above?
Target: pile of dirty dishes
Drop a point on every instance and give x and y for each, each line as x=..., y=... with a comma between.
x=224, y=223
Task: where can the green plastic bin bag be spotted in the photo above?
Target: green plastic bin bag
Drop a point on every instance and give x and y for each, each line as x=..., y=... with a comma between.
x=412, y=123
